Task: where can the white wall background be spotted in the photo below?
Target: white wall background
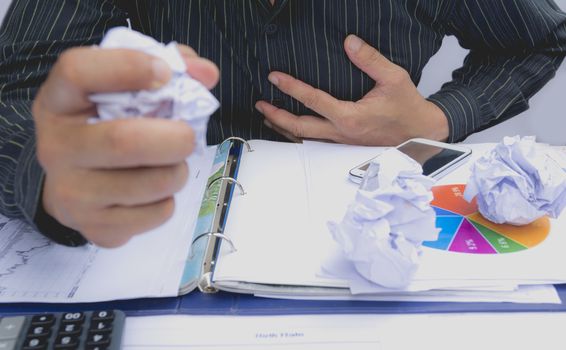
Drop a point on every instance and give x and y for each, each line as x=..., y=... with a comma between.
x=4, y=7
x=546, y=118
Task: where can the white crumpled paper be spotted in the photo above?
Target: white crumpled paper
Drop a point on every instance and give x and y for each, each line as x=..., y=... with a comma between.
x=517, y=182
x=181, y=98
x=383, y=229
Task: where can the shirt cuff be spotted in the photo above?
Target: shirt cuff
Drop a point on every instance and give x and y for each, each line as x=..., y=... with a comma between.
x=29, y=189
x=460, y=106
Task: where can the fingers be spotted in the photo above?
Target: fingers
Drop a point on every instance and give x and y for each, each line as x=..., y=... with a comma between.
x=132, y=187
x=280, y=131
x=120, y=224
x=314, y=99
x=201, y=69
x=298, y=127
x=204, y=71
x=368, y=59
x=186, y=51
x=109, y=206
x=121, y=143
x=80, y=72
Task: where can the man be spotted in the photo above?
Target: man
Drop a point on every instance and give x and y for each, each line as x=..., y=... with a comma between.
x=343, y=71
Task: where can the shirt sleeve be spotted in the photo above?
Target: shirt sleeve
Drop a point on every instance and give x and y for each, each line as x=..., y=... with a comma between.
x=515, y=49
x=32, y=36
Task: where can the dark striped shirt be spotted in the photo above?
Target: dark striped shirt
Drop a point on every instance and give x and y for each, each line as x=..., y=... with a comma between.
x=515, y=48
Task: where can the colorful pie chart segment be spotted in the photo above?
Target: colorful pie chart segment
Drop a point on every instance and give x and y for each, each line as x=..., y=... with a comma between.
x=464, y=230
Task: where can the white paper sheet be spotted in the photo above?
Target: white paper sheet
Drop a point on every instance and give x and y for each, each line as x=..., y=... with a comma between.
x=539, y=294
x=267, y=223
x=353, y=332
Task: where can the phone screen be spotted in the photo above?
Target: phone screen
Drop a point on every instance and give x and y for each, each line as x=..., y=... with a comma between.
x=430, y=157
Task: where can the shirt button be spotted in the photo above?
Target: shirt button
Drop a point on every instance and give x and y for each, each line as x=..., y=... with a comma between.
x=271, y=28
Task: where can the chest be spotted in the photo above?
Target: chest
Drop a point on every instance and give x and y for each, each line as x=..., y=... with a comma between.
x=301, y=37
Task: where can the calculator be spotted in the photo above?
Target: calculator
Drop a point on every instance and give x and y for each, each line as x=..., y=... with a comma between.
x=92, y=330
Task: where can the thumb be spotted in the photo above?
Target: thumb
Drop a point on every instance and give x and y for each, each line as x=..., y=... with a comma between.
x=368, y=59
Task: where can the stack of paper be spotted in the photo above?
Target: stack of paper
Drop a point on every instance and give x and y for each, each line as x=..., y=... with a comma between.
x=471, y=256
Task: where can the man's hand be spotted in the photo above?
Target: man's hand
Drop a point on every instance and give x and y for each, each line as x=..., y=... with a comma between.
x=392, y=112
x=113, y=179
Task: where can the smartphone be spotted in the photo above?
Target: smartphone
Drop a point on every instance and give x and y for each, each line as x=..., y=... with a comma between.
x=436, y=158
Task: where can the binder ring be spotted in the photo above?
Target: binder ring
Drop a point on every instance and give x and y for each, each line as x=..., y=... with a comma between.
x=249, y=148
x=213, y=234
x=229, y=179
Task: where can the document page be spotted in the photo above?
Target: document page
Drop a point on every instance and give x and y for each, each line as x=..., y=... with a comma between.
x=269, y=224
x=250, y=332
x=34, y=269
x=292, y=191
x=353, y=332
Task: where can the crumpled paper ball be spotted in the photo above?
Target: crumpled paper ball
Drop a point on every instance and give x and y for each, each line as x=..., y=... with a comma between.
x=383, y=229
x=517, y=182
x=181, y=98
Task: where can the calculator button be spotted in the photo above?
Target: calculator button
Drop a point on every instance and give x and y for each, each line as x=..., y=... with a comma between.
x=66, y=342
x=39, y=331
x=32, y=343
x=101, y=326
x=7, y=344
x=103, y=315
x=76, y=325
x=46, y=319
x=98, y=338
x=10, y=327
x=73, y=317
x=70, y=329
x=96, y=347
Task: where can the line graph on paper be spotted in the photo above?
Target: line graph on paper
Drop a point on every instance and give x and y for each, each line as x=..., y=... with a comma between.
x=34, y=268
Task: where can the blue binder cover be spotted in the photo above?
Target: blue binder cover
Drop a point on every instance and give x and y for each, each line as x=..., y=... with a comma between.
x=222, y=303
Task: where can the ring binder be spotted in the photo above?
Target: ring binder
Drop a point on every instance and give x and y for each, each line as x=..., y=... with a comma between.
x=217, y=235
x=236, y=138
x=229, y=179
x=205, y=284
x=203, y=253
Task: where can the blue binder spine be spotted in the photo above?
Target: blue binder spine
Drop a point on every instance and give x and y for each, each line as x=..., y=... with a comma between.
x=209, y=231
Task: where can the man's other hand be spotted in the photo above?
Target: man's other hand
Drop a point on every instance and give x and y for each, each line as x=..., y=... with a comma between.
x=392, y=112
x=113, y=179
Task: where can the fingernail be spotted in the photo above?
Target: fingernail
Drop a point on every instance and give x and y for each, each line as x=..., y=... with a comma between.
x=161, y=73
x=273, y=79
x=354, y=43
x=259, y=108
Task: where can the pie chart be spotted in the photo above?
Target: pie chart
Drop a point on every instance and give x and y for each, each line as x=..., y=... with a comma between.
x=465, y=230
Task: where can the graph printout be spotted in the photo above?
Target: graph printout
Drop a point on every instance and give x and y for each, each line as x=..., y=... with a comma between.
x=52, y=272
x=465, y=230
